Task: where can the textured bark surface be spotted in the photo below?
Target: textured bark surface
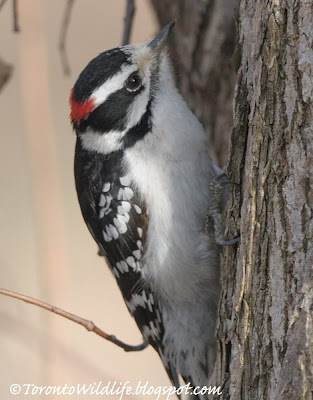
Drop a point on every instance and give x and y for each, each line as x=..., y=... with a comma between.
x=265, y=325
x=265, y=328
x=203, y=44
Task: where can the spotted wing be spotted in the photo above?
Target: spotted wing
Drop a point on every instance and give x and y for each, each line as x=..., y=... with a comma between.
x=118, y=222
x=124, y=224
x=123, y=221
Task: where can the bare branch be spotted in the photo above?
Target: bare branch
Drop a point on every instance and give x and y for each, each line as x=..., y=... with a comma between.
x=5, y=73
x=16, y=25
x=128, y=21
x=63, y=34
x=89, y=325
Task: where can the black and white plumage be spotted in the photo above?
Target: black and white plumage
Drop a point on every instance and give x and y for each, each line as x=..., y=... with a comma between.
x=142, y=172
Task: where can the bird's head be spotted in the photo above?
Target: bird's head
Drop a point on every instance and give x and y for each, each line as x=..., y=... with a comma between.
x=112, y=98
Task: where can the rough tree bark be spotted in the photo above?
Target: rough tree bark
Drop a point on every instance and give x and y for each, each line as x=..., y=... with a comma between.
x=265, y=329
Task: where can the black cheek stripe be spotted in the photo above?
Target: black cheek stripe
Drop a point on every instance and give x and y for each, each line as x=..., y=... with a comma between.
x=112, y=114
x=141, y=129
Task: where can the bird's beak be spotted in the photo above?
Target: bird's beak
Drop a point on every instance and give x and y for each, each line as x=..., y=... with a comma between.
x=161, y=38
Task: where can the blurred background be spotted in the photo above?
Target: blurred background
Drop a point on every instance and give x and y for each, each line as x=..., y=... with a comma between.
x=46, y=250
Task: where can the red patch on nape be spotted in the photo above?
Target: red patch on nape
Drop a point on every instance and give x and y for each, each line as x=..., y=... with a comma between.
x=80, y=111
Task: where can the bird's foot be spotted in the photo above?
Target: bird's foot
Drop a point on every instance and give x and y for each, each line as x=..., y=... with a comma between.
x=217, y=187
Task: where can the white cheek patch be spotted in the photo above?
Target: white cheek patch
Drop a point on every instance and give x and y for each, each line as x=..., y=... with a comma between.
x=103, y=143
x=108, y=142
x=113, y=84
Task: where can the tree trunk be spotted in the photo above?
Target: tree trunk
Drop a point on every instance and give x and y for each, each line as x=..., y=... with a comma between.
x=265, y=329
x=202, y=47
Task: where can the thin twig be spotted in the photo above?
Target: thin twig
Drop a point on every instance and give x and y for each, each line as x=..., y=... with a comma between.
x=16, y=25
x=2, y=3
x=128, y=21
x=89, y=325
x=63, y=33
x=5, y=73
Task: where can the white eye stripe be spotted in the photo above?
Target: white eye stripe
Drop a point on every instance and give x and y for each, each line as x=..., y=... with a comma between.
x=112, y=84
x=113, y=140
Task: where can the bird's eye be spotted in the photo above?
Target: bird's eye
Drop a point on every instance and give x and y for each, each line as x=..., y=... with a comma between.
x=134, y=82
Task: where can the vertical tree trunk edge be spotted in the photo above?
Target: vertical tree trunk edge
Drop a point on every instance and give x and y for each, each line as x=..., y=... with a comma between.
x=265, y=323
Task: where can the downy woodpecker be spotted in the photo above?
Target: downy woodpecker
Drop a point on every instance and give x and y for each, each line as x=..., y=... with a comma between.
x=142, y=171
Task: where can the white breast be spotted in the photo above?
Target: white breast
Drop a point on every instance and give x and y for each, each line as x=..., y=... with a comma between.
x=171, y=168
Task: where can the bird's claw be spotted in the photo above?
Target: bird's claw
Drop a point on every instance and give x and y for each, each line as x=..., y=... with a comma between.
x=228, y=242
x=217, y=188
